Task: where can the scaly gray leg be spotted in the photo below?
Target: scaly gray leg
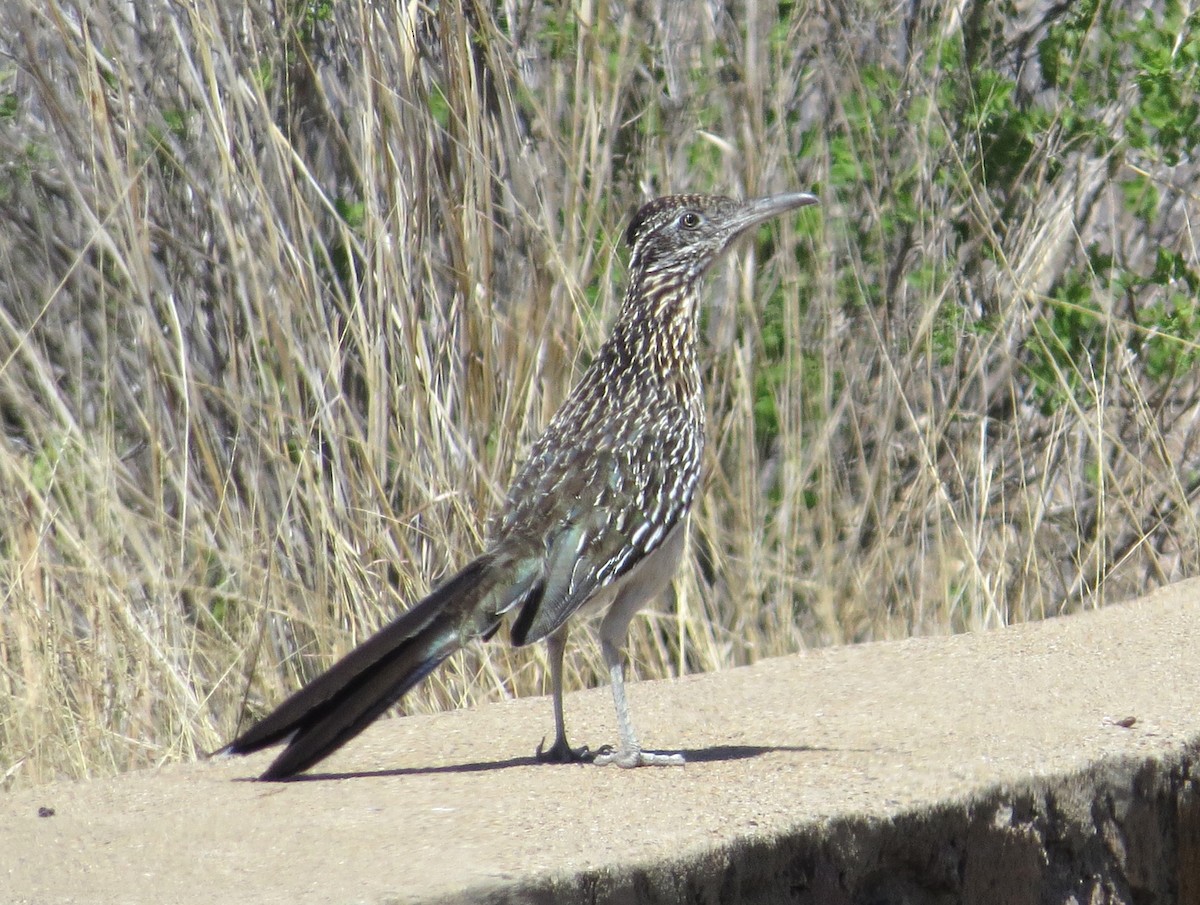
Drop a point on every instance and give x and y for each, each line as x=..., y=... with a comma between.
x=630, y=753
x=560, y=752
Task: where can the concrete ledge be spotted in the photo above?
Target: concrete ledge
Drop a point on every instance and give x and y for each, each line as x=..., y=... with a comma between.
x=1041, y=763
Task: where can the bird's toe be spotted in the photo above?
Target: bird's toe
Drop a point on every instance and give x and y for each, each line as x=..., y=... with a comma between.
x=562, y=753
x=636, y=757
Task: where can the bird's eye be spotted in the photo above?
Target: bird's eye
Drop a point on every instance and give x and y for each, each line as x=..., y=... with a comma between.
x=689, y=220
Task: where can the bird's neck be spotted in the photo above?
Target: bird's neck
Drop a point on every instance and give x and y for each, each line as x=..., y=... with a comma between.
x=657, y=328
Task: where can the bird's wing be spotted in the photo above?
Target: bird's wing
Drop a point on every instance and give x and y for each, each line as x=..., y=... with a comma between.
x=602, y=507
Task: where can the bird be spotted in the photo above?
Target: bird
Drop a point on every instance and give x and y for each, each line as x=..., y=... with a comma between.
x=595, y=520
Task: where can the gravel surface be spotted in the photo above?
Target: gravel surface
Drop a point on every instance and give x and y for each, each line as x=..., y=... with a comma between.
x=801, y=759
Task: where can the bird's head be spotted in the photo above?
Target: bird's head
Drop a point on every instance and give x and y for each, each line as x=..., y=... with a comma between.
x=684, y=235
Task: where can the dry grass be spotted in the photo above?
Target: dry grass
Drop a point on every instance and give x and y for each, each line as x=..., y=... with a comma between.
x=283, y=298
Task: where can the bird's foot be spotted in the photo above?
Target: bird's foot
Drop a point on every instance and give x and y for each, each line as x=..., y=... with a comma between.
x=562, y=753
x=635, y=757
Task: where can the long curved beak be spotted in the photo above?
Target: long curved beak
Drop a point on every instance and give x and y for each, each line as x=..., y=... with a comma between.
x=759, y=210
x=750, y=214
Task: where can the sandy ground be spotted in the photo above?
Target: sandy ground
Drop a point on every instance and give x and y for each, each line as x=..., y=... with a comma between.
x=453, y=806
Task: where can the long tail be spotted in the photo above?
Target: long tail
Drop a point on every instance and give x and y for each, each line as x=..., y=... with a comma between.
x=340, y=703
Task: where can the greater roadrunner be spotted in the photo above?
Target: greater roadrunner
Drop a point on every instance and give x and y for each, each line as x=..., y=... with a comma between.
x=595, y=520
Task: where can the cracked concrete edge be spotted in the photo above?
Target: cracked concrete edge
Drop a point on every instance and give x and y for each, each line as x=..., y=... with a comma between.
x=1126, y=830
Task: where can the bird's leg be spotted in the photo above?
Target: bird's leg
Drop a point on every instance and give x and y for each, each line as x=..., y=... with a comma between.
x=560, y=752
x=630, y=753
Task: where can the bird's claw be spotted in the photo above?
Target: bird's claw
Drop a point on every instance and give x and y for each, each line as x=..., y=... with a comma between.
x=562, y=753
x=636, y=757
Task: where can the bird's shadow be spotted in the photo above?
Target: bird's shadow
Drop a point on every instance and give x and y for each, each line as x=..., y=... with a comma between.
x=709, y=755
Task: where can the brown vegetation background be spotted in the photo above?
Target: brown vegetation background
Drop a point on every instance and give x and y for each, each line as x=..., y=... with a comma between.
x=286, y=289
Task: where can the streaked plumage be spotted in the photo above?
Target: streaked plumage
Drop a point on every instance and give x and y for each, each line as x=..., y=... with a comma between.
x=594, y=519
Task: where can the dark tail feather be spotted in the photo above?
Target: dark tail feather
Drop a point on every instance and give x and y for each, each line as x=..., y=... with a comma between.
x=340, y=703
